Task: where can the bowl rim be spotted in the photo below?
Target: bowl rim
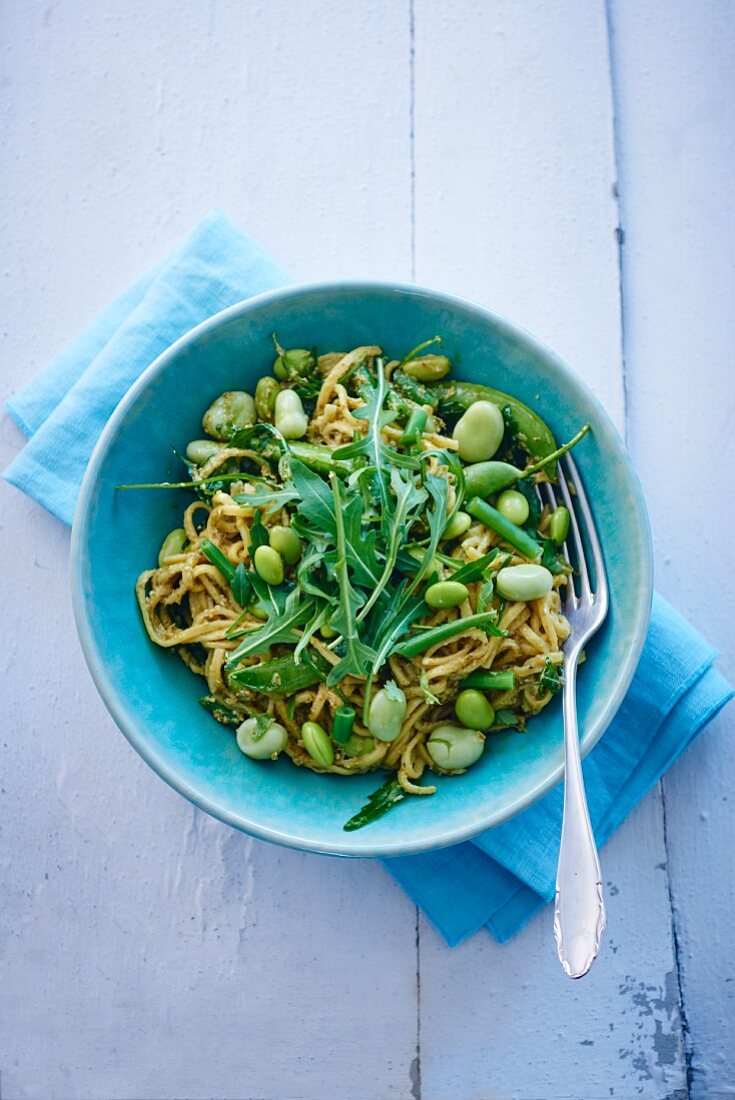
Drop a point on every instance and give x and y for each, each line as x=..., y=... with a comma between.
x=134, y=730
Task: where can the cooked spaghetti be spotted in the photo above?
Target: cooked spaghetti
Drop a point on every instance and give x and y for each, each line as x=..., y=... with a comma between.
x=364, y=629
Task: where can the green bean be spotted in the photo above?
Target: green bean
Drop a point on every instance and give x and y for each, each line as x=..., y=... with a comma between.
x=446, y=594
x=414, y=427
x=413, y=390
x=454, y=748
x=524, y=582
x=344, y=720
x=229, y=413
x=387, y=711
x=286, y=542
x=423, y=640
x=266, y=391
x=317, y=744
x=427, y=368
x=281, y=675
x=290, y=419
x=559, y=525
x=502, y=680
x=261, y=741
x=173, y=545
x=516, y=536
x=269, y=565
x=514, y=506
x=458, y=525
x=200, y=451
x=318, y=457
x=473, y=710
x=479, y=432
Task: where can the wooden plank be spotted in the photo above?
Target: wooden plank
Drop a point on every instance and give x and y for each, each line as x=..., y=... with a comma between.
x=675, y=81
x=147, y=950
x=515, y=173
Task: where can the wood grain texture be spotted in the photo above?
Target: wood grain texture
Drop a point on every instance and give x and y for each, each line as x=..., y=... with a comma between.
x=674, y=74
x=146, y=950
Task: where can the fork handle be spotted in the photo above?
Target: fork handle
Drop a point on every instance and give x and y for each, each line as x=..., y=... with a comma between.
x=579, y=909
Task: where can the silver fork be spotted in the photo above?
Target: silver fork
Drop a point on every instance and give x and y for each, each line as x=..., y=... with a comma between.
x=579, y=908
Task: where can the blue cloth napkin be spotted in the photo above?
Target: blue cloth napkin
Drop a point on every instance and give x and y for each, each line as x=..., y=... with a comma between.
x=500, y=879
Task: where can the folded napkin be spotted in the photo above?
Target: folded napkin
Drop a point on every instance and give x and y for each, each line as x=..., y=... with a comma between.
x=500, y=879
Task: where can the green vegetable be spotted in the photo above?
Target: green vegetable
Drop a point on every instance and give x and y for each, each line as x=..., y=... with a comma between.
x=427, y=638
x=172, y=545
x=523, y=582
x=287, y=543
x=224, y=715
x=559, y=525
x=508, y=719
x=266, y=391
x=217, y=558
x=378, y=803
x=446, y=594
x=454, y=748
x=502, y=680
x=261, y=738
x=281, y=675
x=479, y=432
x=414, y=427
x=530, y=432
x=484, y=479
x=358, y=745
x=473, y=710
x=295, y=363
x=290, y=419
x=317, y=744
x=550, y=679
x=513, y=506
x=508, y=531
x=229, y=413
x=200, y=451
x=387, y=711
x=458, y=525
x=427, y=368
x=269, y=565
x=344, y=720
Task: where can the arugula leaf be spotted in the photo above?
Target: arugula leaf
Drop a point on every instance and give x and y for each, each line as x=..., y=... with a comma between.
x=279, y=629
x=485, y=596
x=241, y=586
x=258, y=534
x=550, y=679
x=317, y=502
x=378, y=803
x=271, y=500
x=344, y=620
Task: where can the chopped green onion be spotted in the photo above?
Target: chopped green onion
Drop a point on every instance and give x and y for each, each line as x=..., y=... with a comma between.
x=344, y=720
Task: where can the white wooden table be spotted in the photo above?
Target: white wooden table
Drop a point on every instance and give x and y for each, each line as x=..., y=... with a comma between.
x=568, y=164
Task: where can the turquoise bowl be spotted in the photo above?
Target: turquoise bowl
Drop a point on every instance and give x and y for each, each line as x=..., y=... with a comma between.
x=153, y=697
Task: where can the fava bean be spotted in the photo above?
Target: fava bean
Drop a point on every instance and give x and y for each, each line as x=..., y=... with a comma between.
x=559, y=525
x=228, y=414
x=386, y=713
x=269, y=565
x=473, y=710
x=294, y=363
x=453, y=748
x=317, y=744
x=523, y=582
x=259, y=744
x=266, y=392
x=514, y=506
x=200, y=451
x=286, y=542
x=458, y=525
x=427, y=368
x=446, y=594
x=479, y=432
x=290, y=418
x=172, y=545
